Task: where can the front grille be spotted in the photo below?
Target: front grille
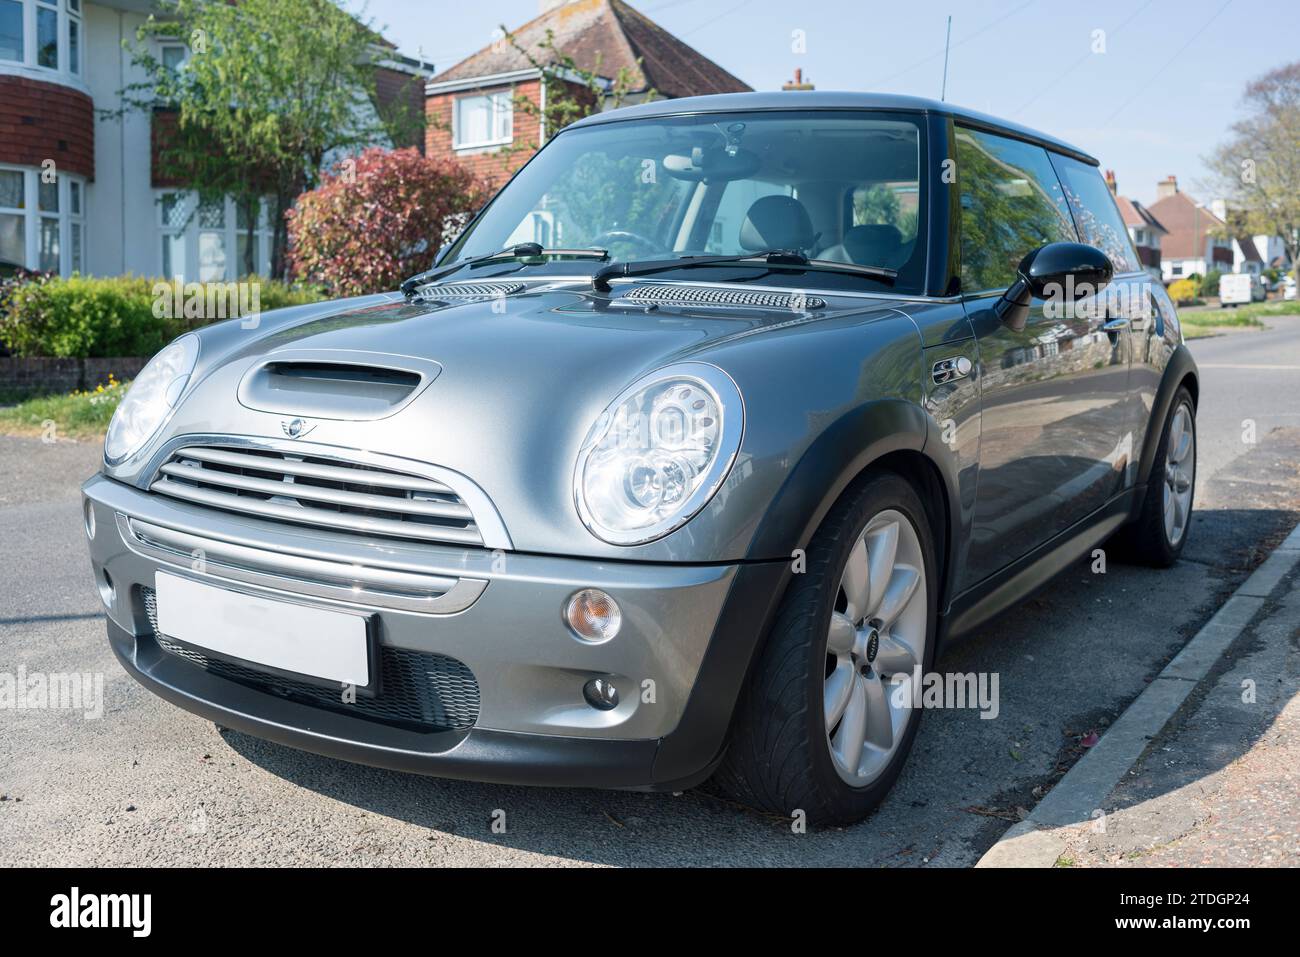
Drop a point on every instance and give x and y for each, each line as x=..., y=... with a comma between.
x=434, y=292
x=706, y=296
x=318, y=491
x=417, y=690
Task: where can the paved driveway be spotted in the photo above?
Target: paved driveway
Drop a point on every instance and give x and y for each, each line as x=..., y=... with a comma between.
x=149, y=784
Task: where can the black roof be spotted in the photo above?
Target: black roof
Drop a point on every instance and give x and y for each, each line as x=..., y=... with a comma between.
x=829, y=100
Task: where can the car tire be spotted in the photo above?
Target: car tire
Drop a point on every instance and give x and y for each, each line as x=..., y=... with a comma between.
x=782, y=756
x=1152, y=539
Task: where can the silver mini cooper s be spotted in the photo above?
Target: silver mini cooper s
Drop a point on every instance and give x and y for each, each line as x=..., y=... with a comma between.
x=682, y=462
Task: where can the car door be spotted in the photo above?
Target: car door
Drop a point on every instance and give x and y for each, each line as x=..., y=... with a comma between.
x=1053, y=395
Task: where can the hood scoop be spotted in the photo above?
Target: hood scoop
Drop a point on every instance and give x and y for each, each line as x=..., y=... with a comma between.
x=330, y=384
x=447, y=293
x=666, y=294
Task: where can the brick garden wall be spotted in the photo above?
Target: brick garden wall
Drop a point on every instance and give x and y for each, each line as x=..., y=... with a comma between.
x=39, y=375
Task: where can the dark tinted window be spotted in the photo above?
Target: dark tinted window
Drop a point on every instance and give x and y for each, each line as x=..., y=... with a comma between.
x=1100, y=223
x=1011, y=203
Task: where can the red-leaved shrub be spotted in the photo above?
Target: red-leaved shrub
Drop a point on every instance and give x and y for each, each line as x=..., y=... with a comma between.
x=379, y=218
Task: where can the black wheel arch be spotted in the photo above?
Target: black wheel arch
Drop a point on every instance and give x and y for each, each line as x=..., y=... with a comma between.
x=1180, y=370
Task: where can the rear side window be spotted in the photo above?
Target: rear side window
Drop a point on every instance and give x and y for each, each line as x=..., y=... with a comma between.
x=1011, y=203
x=1095, y=211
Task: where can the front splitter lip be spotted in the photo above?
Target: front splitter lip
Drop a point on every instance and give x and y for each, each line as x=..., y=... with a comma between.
x=492, y=757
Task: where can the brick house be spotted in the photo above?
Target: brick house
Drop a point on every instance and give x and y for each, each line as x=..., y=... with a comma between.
x=471, y=107
x=82, y=193
x=1194, y=243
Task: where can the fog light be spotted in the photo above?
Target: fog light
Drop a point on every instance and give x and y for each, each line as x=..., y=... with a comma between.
x=600, y=694
x=593, y=615
x=89, y=507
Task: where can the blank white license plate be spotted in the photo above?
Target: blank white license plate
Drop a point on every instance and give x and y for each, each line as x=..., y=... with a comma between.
x=308, y=641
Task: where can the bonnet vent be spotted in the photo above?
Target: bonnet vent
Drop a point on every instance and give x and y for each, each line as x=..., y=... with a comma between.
x=709, y=296
x=444, y=292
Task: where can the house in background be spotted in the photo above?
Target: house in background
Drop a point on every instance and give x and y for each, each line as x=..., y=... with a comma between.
x=1144, y=229
x=472, y=106
x=1195, y=242
x=108, y=211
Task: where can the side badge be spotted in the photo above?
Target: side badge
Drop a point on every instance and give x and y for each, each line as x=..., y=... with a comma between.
x=950, y=370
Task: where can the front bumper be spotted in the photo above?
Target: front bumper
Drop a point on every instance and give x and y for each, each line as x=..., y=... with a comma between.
x=688, y=634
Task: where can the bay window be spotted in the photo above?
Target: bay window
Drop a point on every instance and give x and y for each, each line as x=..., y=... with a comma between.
x=46, y=34
x=208, y=241
x=41, y=222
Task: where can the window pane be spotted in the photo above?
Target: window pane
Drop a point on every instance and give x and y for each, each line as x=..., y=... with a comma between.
x=74, y=5
x=1011, y=202
x=75, y=247
x=49, y=245
x=48, y=196
x=75, y=194
x=1095, y=211
x=11, y=30
x=74, y=45
x=212, y=215
x=173, y=250
x=241, y=254
x=13, y=241
x=175, y=210
x=212, y=256
x=472, y=119
x=502, y=116
x=11, y=188
x=47, y=38
x=173, y=57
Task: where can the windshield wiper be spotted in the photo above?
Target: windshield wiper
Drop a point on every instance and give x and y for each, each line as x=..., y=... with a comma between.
x=520, y=251
x=778, y=258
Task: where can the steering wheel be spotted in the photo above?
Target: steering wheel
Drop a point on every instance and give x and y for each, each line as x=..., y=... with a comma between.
x=611, y=236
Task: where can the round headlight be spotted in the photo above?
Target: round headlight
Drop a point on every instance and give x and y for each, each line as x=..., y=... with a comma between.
x=658, y=453
x=150, y=400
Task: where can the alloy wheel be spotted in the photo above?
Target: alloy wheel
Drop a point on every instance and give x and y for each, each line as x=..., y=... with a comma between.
x=877, y=631
x=1180, y=473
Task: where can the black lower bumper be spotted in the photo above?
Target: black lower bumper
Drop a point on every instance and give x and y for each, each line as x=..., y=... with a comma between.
x=679, y=760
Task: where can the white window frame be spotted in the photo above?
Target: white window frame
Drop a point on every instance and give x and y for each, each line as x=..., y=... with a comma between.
x=505, y=115
x=32, y=216
x=230, y=232
x=65, y=12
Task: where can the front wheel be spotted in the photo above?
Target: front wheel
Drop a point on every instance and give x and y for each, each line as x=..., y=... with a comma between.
x=826, y=723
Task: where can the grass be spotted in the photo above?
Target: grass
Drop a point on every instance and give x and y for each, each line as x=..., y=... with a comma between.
x=1198, y=323
x=77, y=415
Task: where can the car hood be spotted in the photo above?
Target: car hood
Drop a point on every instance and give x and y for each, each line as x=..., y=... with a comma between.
x=516, y=383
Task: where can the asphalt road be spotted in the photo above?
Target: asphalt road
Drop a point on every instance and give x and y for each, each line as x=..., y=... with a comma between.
x=149, y=784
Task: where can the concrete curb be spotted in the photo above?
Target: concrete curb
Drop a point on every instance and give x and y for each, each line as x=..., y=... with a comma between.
x=1039, y=839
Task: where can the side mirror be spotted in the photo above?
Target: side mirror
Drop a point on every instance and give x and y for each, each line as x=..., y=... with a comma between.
x=1069, y=271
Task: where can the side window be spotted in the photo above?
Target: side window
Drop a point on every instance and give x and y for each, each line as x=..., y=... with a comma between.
x=1095, y=211
x=1011, y=203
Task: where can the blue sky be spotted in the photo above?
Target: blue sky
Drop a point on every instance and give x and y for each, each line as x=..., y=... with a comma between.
x=1157, y=100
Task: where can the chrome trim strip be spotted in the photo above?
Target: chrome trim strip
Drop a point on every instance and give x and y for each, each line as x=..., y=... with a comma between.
x=339, y=473
x=315, y=493
x=492, y=531
x=354, y=584
x=302, y=516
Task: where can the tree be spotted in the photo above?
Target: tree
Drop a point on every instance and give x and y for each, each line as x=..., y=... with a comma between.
x=1258, y=167
x=382, y=218
x=268, y=92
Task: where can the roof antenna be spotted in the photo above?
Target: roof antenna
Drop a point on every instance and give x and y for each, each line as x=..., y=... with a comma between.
x=943, y=95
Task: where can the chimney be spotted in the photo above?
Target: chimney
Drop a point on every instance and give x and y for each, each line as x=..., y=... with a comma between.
x=798, y=82
x=1167, y=187
x=1110, y=181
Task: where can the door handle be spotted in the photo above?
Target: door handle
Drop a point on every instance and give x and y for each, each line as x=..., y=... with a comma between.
x=1114, y=325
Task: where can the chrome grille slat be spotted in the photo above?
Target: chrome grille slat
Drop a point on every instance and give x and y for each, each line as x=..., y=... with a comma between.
x=315, y=493
x=311, y=488
x=341, y=473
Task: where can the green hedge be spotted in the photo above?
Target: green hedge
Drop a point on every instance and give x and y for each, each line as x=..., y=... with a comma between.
x=85, y=317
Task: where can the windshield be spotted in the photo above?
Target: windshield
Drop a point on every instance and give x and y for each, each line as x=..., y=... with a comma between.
x=841, y=186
